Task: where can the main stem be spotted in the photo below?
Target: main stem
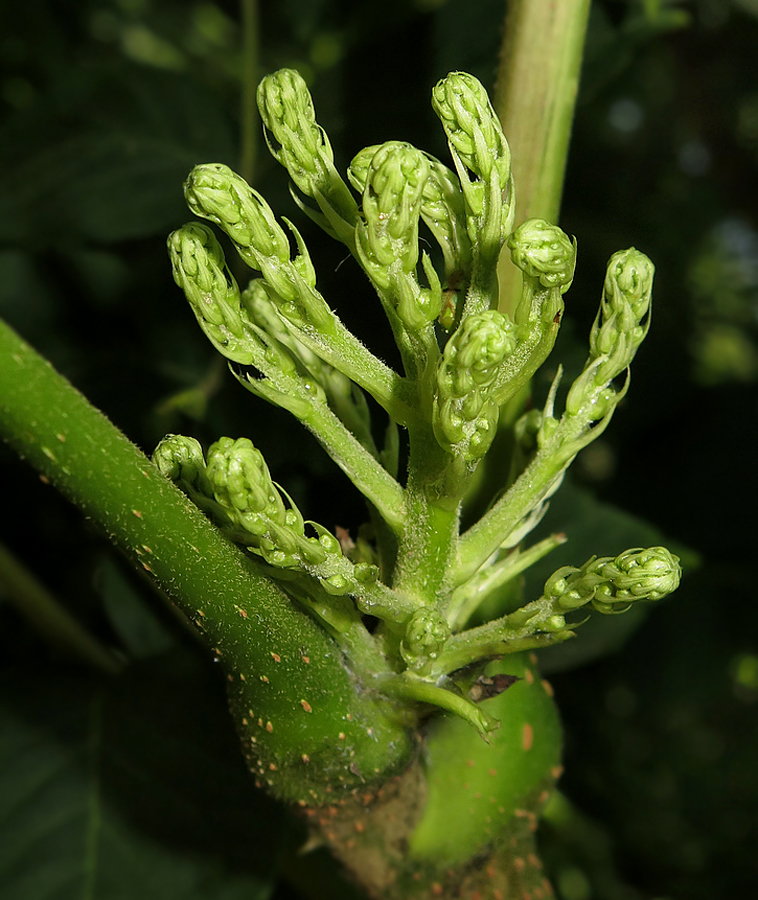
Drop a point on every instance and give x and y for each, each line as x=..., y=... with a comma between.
x=78, y=450
x=249, y=123
x=535, y=97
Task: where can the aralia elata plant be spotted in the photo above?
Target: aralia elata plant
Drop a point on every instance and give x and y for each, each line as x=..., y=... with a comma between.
x=397, y=600
x=414, y=734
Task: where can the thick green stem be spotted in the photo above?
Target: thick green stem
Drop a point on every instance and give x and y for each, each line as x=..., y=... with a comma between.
x=426, y=547
x=280, y=664
x=535, y=96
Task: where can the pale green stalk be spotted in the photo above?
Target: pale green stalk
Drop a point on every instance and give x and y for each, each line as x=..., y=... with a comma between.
x=617, y=333
x=535, y=97
x=610, y=585
x=465, y=599
x=249, y=123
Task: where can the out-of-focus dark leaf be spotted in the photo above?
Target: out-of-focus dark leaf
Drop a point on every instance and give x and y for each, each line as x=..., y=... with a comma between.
x=138, y=625
x=132, y=788
x=116, y=174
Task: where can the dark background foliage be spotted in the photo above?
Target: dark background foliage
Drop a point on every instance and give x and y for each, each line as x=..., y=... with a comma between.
x=135, y=788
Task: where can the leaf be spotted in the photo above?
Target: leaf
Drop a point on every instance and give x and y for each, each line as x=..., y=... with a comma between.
x=136, y=622
x=130, y=788
x=116, y=171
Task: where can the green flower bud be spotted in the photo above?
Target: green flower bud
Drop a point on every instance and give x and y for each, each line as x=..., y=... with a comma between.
x=180, y=458
x=639, y=574
x=612, y=584
x=543, y=252
x=242, y=485
x=616, y=334
x=218, y=194
x=392, y=203
x=619, y=330
x=241, y=479
x=287, y=112
x=425, y=635
x=442, y=208
x=387, y=238
x=199, y=269
x=629, y=282
x=235, y=489
x=465, y=415
x=472, y=127
x=478, y=146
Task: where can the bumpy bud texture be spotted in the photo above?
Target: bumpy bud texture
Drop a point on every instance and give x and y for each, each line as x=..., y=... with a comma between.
x=617, y=332
x=465, y=414
x=286, y=109
x=387, y=239
x=242, y=485
x=215, y=192
x=478, y=146
x=199, y=269
x=180, y=458
x=425, y=635
x=612, y=584
x=543, y=252
x=472, y=126
x=392, y=203
x=442, y=208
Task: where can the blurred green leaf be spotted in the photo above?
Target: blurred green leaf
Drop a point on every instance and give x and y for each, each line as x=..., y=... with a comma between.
x=131, y=788
x=137, y=624
x=115, y=173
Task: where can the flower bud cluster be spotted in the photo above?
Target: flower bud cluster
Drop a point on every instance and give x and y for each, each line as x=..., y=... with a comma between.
x=466, y=412
x=392, y=200
x=218, y=194
x=287, y=112
x=426, y=634
x=387, y=237
x=442, y=208
x=618, y=331
x=479, y=147
x=235, y=488
x=544, y=253
x=612, y=584
x=242, y=485
x=181, y=460
x=199, y=268
x=472, y=127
